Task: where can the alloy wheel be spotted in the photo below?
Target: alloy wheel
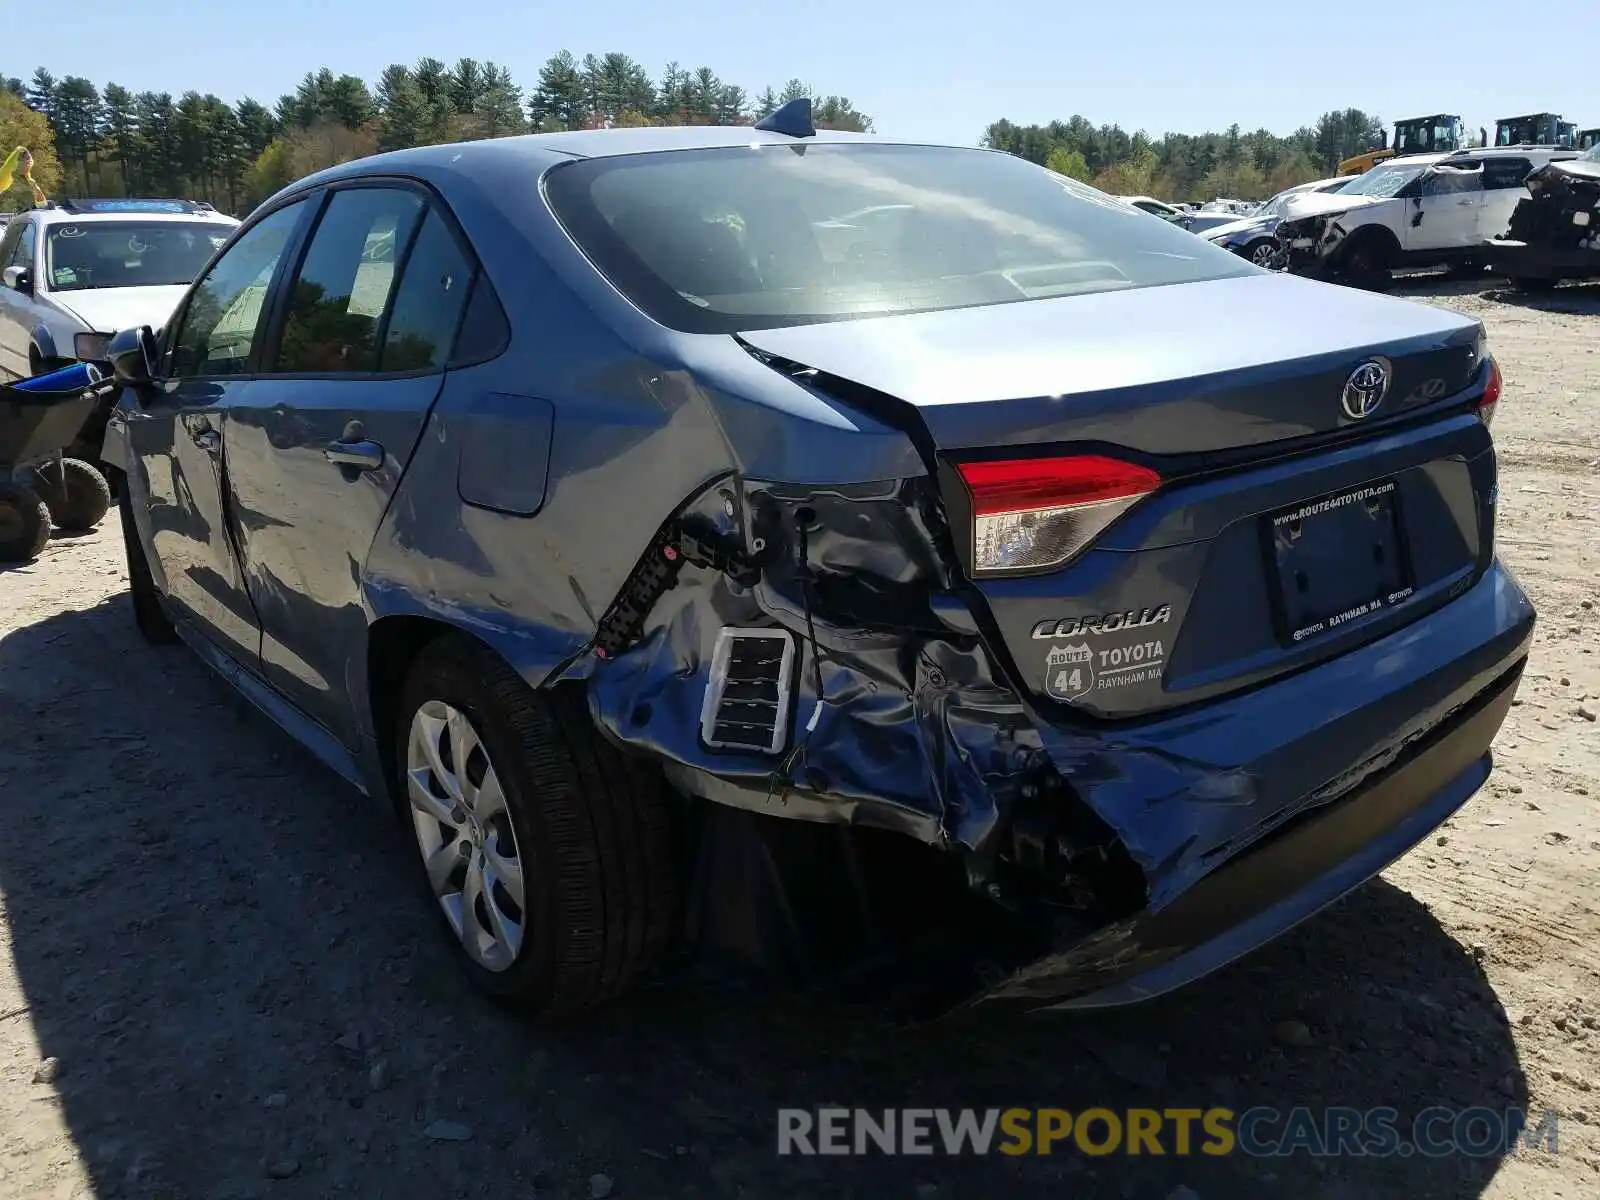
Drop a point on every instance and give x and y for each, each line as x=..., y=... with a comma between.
x=1264, y=255
x=464, y=832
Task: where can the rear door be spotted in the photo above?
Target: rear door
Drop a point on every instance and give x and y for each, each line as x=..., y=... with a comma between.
x=1502, y=190
x=315, y=453
x=1445, y=213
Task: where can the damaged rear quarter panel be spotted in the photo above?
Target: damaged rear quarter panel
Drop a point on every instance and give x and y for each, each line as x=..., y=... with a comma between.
x=627, y=420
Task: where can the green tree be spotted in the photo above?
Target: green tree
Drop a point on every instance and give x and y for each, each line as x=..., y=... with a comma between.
x=499, y=108
x=158, y=137
x=347, y=101
x=402, y=109
x=1069, y=163
x=77, y=122
x=466, y=85
x=257, y=126
x=120, y=130
x=41, y=94
x=559, y=101
x=836, y=112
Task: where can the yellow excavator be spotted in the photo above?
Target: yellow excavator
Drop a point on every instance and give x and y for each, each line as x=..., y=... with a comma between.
x=1436, y=134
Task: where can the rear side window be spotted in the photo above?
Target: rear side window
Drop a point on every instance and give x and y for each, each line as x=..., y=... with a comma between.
x=222, y=320
x=428, y=305
x=754, y=237
x=342, y=290
x=1499, y=173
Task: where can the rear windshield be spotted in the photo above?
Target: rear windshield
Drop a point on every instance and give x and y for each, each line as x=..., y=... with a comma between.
x=756, y=237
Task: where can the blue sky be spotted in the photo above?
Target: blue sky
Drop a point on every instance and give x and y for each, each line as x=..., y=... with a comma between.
x=935, y=70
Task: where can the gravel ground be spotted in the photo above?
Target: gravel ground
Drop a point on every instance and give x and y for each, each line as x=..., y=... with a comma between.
x=218, y=977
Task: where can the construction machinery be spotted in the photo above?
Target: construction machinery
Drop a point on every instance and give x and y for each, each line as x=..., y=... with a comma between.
x=1434, y=134
x=1535, y=129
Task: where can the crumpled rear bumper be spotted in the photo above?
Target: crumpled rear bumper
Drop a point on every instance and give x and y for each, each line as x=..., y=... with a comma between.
x=1360, y=759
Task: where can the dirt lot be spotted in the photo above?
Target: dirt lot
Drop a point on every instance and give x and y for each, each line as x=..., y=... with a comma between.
x=225, y=953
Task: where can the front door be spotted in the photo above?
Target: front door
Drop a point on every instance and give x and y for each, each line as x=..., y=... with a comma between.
x=16, y=308
x=1444, y=216
x=317, y=449
x=176, y=437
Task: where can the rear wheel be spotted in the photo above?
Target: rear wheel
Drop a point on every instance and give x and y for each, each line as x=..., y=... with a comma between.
x=547, y=851
x=76, y=494
x=148, y=615
x=24, y=523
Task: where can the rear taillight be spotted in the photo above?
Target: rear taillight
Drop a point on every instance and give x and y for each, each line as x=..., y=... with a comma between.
x=1034, y=513
x=1491, y=393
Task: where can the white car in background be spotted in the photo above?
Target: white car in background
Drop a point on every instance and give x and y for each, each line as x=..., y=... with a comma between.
x=1422, y=210
x=96, y=266
x=1156, y=208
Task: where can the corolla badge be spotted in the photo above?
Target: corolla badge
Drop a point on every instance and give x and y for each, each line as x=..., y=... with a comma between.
x=1365, y=389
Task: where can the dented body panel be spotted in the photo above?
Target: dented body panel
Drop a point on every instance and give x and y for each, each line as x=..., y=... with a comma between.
x=609, y=504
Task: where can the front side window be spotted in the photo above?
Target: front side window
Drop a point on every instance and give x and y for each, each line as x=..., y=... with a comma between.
x=1450, y=181
x=21, y=245
x=755, y=237
x=221, y=324
x=340, y=294
x=117, y=254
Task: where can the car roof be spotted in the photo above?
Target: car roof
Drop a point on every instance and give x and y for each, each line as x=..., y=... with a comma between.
x=51, y=216
x=536, y=151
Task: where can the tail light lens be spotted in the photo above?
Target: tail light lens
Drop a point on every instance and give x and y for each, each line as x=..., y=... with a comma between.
x=1034, y=513
x=1491, y=394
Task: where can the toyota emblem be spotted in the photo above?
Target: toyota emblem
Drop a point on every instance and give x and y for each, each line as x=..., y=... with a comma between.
x=1365, y=389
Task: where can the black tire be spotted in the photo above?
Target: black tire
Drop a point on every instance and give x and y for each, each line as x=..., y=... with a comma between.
x=148, y=614
x=24, y=523
x=593, y=829
x=1367, y=264
x=74, y=491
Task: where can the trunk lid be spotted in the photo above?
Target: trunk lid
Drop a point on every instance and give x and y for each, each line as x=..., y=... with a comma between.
x=1285, y=529
x=1186, y=369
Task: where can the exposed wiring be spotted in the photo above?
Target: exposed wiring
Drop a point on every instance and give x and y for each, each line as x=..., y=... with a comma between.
x=794, y=762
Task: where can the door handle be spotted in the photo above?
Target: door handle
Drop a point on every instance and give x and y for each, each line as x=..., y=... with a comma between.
x=207, y=438
x=363, y=456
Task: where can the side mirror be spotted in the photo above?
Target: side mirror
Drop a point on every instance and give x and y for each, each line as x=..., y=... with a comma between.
x=131, y=353
x=91, y=347
x=19, y=279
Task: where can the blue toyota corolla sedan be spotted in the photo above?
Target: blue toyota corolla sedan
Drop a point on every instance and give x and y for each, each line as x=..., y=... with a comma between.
x=780, y=545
